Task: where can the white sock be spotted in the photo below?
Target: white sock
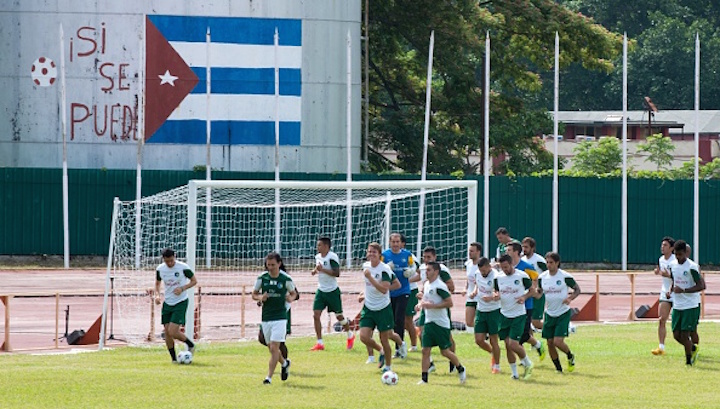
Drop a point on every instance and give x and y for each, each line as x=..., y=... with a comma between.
x=496, y=366
x=371, y=358
x=526, y=361
x=285, y=364
x=662, y=347
x=513, y=368
x=388, y=368
x=538, y=345
x=350, y=334
x=320, y=341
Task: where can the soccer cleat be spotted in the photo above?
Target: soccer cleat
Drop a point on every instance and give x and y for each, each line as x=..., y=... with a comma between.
x=541, y=351
x=658, y=351
x=370, y=360
x=285, y=370
x=350, y=342
x=266, y=381
x=432, y=367
x=414, y=348
x=381, y=361
x=318, y=347
x=514, y=377
x=397, y=354
x=571, y=364
x=422, y=382
x=528, y=371
x=386, y=369
x=495, y=371
x=462, y=375
x=694, y=355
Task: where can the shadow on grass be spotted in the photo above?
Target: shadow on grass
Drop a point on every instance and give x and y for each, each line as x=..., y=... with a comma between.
x=304, y=386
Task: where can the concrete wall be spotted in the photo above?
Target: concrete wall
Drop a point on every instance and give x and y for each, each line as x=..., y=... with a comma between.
x=102, y=57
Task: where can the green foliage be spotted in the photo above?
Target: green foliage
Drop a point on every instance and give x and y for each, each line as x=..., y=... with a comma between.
x=710, y=170
x=601, y=157
x=521, y=33
x=659, y=149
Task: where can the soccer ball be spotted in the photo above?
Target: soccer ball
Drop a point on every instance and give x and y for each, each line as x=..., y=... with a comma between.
x=185, y=357
x=43, y=72
x=389, y=378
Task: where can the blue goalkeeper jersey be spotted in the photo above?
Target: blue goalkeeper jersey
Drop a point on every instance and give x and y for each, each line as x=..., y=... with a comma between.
x=528, y=269
x=401, y=261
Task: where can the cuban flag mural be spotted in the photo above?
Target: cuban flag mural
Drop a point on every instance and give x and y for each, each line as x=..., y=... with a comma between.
x=242, y=61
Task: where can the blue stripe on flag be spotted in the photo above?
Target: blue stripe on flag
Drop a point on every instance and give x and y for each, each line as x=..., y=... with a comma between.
x=236, y=30
x=249, y=81
x=227, y=133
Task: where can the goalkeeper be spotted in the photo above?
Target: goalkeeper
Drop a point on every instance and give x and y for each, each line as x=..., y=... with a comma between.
x=401, y=262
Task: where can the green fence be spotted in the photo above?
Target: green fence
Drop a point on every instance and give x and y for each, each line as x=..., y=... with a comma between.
x=589, y=211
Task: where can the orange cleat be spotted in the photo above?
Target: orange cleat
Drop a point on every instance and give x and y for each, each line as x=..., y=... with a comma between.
x=318, y=347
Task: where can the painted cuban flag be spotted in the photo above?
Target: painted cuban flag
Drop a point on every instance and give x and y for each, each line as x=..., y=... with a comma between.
x=242, y=61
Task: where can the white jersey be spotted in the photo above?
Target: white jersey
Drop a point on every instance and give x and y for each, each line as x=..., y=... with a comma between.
x=471, y=269
x=176, y=276
x=374, y=299
x=537, y=261
x=486, y=288
x=414, y=284
x=511, y=287
x=666, y=281
x=435, y=293
x=685, y=275
x=556, y=289
x=444, y=273
x=326, y=282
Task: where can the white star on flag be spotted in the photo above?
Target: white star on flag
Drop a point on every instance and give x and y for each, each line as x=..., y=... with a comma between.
x=167, y=78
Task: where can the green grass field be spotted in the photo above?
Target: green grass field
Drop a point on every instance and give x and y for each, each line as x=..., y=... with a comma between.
x=614, y=370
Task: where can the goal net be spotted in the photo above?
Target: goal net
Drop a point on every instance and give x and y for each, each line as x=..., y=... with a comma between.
x=224, y=230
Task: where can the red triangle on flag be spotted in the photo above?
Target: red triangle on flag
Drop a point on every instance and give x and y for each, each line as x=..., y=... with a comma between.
x=168, y=79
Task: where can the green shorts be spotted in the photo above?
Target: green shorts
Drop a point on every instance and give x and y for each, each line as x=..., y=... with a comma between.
x=512, y=328
x=174, y=313
x=382, y=320
x=685, y=320
x=330, y=300
x=421, y=320
x=412, y=302
x=538, y=308
x=435, y=335
x=471, y=304
x=488, y=322
x=556, y=326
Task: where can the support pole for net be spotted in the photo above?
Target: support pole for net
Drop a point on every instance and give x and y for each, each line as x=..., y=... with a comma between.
x=486, y=151
x=111, y=249
x=140, y=145
x=388, y=221
x=624, y=158
x=348, y=115
x=696, y=174
x=63, y=114
x=277, y=142
x=208, y=159
x=191, y=248
x=426, y=137
x=556, y=108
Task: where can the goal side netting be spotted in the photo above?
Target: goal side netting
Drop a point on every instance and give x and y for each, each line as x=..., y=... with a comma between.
x=225, y=229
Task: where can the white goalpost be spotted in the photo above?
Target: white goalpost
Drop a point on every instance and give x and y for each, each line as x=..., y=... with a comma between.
x=243, y=232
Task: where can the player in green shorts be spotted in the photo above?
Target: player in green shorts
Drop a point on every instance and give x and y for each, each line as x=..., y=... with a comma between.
x=487, y=318
x=178, y=278
x=436, y=300
x=540, y=265
x=686, y=287
x=556, y=284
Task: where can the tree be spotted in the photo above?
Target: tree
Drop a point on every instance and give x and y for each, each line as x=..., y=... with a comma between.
x=659, y=149
x=604, y=156
x=522, y=34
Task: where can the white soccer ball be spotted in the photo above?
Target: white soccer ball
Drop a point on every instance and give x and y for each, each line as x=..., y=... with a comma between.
x=572, y=328
x=43, y=72
x=185, y=357
x=389, y=378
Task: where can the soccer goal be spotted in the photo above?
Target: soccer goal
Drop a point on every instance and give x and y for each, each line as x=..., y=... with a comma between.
x=223, y=229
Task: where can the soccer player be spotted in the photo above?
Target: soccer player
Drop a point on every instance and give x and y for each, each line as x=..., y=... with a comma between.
x=288, y=306
x=503, y=238
x=177, y=277
x=327, y=268
x=512, y=288
x=487, y=317
x=471, y=269
x=514, y=250
x=436, y=300
x=539, y=264
x=377, y=311
x=666, y=297
x=555, y=283
x=686, y=288
x=401, y=262
x=412, y=302
x=430, y=256
x=273, y=288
